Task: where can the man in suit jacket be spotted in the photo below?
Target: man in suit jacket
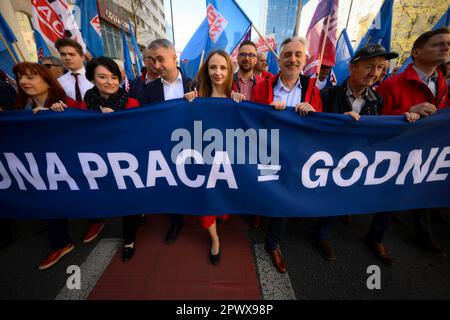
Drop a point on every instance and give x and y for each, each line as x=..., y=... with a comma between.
x=171, y=85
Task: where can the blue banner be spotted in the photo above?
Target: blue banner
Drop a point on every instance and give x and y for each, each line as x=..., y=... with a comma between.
x=127, y=63
x=213, y=156
x=6, y=60
x=41, y=47
x=137, y=52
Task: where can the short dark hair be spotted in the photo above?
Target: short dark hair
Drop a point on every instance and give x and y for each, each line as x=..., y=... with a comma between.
x=248, y=43
x=67, y=42
x=106, y=62
x=424, y=37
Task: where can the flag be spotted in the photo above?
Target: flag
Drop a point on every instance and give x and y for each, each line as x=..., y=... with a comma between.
x=248, y=36
x=41, y=47
x=90, y=27
x=223, y=28
x=444, y=21
x=127, y=63
x=6, y=60
x=54, y=20
x=381, y=28
x=316, y=33
x=344, y=53
x=272, y=62
x=137, y=52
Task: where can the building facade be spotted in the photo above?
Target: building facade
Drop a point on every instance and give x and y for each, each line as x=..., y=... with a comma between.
x=281, y=16
x=113, y=16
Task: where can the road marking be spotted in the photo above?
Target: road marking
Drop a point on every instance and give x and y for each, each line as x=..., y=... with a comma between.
x=92, y=269
x=274, y=285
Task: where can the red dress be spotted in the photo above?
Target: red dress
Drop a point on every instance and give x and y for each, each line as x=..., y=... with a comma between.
x=208, y=221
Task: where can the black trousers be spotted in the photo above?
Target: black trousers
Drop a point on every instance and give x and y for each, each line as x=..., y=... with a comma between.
x=276, y=228
x=5, y=230
x=176, y=219
x=130, y=228
x=58, y=232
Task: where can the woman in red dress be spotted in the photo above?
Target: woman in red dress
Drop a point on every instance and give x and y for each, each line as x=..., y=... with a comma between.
x=215, y=79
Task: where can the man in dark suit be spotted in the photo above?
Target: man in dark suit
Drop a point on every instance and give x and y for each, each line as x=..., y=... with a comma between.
x=171, y=85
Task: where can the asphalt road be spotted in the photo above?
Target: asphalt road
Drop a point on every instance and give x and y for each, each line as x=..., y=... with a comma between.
x=416, y=275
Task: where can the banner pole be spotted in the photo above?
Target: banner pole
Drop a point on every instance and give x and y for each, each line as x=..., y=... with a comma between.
x=264, y=39
x=7, y=47
x=297, y=20
x=201, y=58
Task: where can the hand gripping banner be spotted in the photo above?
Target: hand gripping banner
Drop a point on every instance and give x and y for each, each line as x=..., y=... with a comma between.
x=214, y=156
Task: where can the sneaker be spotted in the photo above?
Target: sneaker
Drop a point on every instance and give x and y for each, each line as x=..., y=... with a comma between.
x=326, y=250
x=55, y=256
x=94, y=231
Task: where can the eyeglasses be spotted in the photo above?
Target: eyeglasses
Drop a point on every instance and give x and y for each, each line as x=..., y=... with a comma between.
x=247, y=55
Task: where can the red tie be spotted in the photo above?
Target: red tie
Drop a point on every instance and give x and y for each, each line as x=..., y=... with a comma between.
x=77, y=88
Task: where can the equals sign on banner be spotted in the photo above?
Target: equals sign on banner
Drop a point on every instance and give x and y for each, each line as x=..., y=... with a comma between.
x=268, y=172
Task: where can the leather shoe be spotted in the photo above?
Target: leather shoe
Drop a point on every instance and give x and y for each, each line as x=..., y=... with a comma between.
x=381, y=252
x=432, y=246
x=173, y=233
x=128, y=252
x=214, y=258
x=326, y=250
x=277, y=259
x=256, y=222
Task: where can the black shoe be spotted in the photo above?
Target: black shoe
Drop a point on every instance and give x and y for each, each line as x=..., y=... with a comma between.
x=128, y=253
x=173, y=233
x=214, y=258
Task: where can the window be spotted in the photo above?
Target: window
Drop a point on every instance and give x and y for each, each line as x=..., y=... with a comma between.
x=112, y=41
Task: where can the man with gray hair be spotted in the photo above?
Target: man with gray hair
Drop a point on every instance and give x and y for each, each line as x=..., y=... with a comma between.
x=55, y=65
x=162, y=59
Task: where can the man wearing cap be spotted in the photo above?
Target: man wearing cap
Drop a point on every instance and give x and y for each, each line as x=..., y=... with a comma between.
x=422, y=89
x=356, y=97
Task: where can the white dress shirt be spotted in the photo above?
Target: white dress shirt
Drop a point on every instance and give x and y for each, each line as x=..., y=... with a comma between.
x=292, y=97
x=67, y=81
x=357, y=102
x=173, y=90
x=429, y=81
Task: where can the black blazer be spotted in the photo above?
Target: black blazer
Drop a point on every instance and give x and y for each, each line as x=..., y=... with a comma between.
x=154, y=91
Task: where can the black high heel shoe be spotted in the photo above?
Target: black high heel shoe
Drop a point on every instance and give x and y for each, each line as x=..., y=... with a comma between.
x=127, y=253
x=214, y=258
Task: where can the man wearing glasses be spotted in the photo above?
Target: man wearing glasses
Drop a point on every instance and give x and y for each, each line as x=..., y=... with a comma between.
x=55, y=65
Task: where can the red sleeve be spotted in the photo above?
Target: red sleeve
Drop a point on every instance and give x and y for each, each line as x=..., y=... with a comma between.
x=132, y=103
x=75, y=104
x=316, y=100
x=384, y=89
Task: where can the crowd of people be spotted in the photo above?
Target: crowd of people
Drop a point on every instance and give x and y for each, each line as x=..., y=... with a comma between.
x=100, y=85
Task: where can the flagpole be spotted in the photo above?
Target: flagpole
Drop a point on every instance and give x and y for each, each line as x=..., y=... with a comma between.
x=297, y=20
x=349, y=12
x=20, y=52
x=173, y=28
x=201, y=58
x=264, y=39
x=7, y=47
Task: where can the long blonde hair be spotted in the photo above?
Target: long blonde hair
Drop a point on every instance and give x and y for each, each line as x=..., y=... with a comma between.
x=205, y=84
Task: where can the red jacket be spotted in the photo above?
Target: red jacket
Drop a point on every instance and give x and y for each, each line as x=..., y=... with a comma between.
x=266, y=75
x=131, y=103
x=261, y=89
x=404, y=90
x=310, y=92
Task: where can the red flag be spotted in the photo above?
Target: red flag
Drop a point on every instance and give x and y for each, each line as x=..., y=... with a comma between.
x=316, y=33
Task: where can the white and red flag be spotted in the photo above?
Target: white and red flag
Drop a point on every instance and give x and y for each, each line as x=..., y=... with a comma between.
x=316, y=33
x=53, y=19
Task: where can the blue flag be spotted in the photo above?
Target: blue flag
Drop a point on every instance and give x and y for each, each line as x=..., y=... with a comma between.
x=137, y=52
x=127, y=63
x=444, y=21
x=41, y=47
x=260, y=161
x=272, y=62
x=381, y=28
x=6, y=61
x=223, y=28
x=90, y=27
x=344, y=53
